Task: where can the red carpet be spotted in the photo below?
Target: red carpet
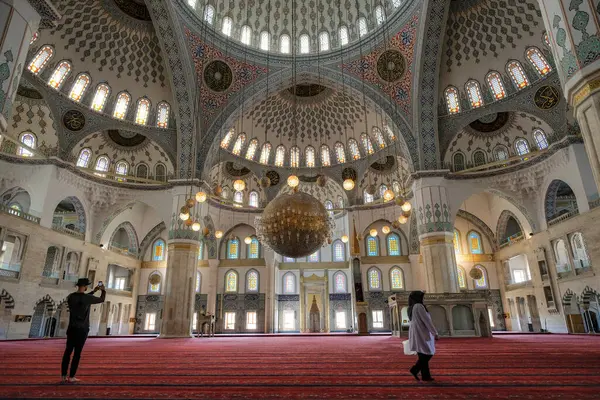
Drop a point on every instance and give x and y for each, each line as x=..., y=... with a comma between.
x=507, y=367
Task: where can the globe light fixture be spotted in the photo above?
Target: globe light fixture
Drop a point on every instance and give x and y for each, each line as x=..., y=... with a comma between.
x=386, y=229
x=190, y=203
x=219, y=234
x=348, y=184
x=388, y=195
x=406, y=207
x=293, y=181
x=239, y=185
x=403, y=219
x=200, y=197
x=196, y=226
x=373, y=232
x=345, y=238
x=248, y=240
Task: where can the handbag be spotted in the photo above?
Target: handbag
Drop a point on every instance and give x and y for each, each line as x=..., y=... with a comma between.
x=407, y=350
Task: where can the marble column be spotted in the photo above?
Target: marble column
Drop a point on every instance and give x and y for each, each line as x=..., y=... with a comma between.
x=573, y=29
x=434, y=223
x=18, y=23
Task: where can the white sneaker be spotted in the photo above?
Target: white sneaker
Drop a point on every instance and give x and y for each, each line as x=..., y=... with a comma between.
x=74, y=380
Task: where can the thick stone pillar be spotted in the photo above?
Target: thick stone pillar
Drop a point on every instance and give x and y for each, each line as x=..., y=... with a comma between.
x=18, y=22
x=434, y=223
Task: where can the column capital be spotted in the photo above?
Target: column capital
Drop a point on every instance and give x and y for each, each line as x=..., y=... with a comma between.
x=431, y=205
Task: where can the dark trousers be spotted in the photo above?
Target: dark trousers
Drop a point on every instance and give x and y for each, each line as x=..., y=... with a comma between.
x=75, y=340
x=422, y=366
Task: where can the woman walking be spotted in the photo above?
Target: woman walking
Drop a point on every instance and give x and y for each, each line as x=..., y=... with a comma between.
x=421, y=335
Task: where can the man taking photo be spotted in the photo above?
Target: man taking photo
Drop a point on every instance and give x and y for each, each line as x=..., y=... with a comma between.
x=79, y=324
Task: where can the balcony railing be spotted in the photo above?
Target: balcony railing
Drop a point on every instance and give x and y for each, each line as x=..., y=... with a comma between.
x=20, y=214
x=517, y=237
x=10, y=273
x=67, y=231
x=563, y=217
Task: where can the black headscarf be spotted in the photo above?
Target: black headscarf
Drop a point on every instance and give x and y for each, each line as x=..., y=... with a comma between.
x=415, y=297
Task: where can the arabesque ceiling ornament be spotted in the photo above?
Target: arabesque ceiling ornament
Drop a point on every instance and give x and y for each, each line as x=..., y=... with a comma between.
x=547, y=97
x=391, y=65
x=218, y=76
x=74, y=120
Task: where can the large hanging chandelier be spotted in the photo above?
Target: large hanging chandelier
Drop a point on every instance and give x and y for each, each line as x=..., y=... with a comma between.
x=294, y=225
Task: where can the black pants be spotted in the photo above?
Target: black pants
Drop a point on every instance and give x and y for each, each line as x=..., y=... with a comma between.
x=75, y=340
x=422, y=366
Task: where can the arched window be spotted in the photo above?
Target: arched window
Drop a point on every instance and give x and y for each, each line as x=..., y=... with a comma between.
x=279, y=155
x=142, y=171
x=580, y=254
x=452, y=100
x=251, y=150
x=41, y=59
x=79, y=87
x=494, y=80
x=362, y=27
x=324, y=41
x=367, y=197
x=329, y=206
x=538, y=60
x=238, y=199
x=367, y=144
x=540, y=139
x=379, y=15
x=225, y=193
x=309, y=155
x=304, y=44
x=396, y=3
x=378, y=137
x=462, y=278
x=253, y=199
x=158, y=250
x=84, y=158
x=265, y=40
x=226, y=27
x=254, y=248
x=121, y=168
x=198, y=281
x=374, y=278
x=389, y=132
x=562, y=256
x=325, y=156
x=396, y=279
x=372, y=246
x=500, y=153
x=160, y=173
x=143, y=110
x=102, y=164
x=162, y=114
x=546, y=39
x=458, y=161
x=344, y=38
x=209, y=14
x=393, y=244
x=456, y=242
x=60, y=73
x=295, y=157
x=284, y=44
x=246, y=36
x=522, y=147
x=233, y=249
x=479, y=158
x=481, y=283
x=239, y=143
x=289, y=283
x=339, y=251
x=265, y=153
x=121, y=105
x=475, y=246
x=474, y=92
x=339, y=282
x=515, y=70
x=340, y=153
x=227, y=138
x=154, y=281
x=314, y=257
x=340, y=202
x=382, y=189
x=252, y=281
x=29, y=140
x=353, y=148
x=35, y=37
x=396, y=188
x=102, y=91
x=231, y=282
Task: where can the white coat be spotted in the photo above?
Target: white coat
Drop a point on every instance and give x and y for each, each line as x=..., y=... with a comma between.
x=421, y=335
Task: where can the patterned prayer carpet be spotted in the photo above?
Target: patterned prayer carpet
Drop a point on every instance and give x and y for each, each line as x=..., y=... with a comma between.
x=302, y=367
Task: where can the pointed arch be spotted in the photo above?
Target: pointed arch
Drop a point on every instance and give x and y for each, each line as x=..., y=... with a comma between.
x=461, y=276
x=374, y=279
x=340, y=284
x=121, y=105
x=503, y=225
x=396, y=278
x=339, y=251
x=79, y=87
x=372, y=245
x=158, y=250
x=474, y=92
x=475, y=242
x=517, y=74
x=41, y=59
x=100, y=96
x=252, y=281
x=393, y=244
x=452, y=99
x=494, y=80
x=231, y=281
x=481, y=283
x=233, y=248
x=537, y=59
x=289, y=283
x=131, y=235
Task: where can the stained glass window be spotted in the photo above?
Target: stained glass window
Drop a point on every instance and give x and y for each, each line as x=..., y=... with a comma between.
x=479, y=158
x=374, y=279
x=329, y=206
x=458, y=161
x=396, y=279
x=102, y=91
x=265, y=40
x=481, y=283
x=102, y=164
x=158, y=250
x=382, y=190
x=456, y=242
x=284, y=44
x=121, y=168
x=367, y=144
x=304, y=44
x=227, y=139
x=496, y=86
x=500, y=153
x=29, y=140
x=253, y=199
x=143, y=110
x=452, y=100
x=517, y=74
x=475, y=243
x=340, y=153
x=372, y=246
x=539, y=61
x=324, y=41
x=162, y=115
x=522, y=147
x=79, y=87
x=231, y=280
x=367, y=197
x=314, y=257
x=343, y=35
x=238, y=199
x=393, y=244
x=389, y=132
x=474, y=92
x=253, y=248
x=540, y=139
x=123, y=100
x=252, y=281
x=546, y=39
x=35, y=37
x=233, y=249
x=198, y=282
x=339, y=251
x=41, y=59
x=209, y=14
x=251, y=150
x=84, y=158
x=379, y=15
x=279, y=155
x=339, y=282
x=60, y=73
x=294, y=157
x=289, y=283
x=246, y=36
x=362, y=27
x=396, y=187
x=379, y=140
x=353, y=148
x=154, y=287
x=265, y=153
x=309, y=154
x=462, y=278
x=239, y=144
x=226, y=27
x=325, y=156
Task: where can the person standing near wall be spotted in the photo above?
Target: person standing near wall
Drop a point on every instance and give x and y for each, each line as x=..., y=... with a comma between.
x=421, y=335
x=79, y=325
